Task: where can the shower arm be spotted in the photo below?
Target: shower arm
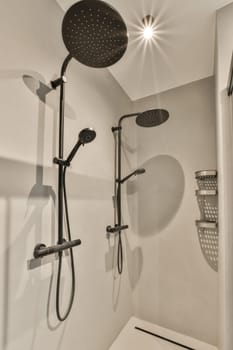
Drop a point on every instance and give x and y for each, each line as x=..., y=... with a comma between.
x=127, y=116
x=62, y=79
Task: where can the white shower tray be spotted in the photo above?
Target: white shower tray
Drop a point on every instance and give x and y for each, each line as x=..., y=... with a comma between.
x=132, y=339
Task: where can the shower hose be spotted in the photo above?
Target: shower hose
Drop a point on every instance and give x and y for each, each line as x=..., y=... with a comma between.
x=58, y=311
x=120, y=255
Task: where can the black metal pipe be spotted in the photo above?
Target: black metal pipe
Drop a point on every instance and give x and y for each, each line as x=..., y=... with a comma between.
x=41, y=250
x=230, y=80
x=62, y=105
x=61, y=150
x=65, y=64
x=120, y=248
x=127, y=116
x=118, y=182
x=118, y=194
x=119, y=166
x=119, y=178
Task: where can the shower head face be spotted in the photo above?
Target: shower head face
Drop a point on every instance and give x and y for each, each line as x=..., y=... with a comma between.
x=152, y=117
x=94, y=33
x=87, y=135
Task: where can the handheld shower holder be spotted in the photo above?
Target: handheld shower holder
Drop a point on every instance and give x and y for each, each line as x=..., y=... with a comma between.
x=62, y=162
x=116, y=228
x=116, y=128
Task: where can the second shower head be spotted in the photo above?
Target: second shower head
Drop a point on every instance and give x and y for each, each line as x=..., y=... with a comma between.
x=152, y=117
x=140, y=171
x=86, y=135
x=146, y=119
x=136, y=172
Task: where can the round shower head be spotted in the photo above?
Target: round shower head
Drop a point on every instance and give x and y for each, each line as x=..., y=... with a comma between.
x=87, y=135
x=94, y=33
x=152, y=117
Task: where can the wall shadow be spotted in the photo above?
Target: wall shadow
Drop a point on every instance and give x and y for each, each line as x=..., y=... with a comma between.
x=160, y=192
x=134, y=262
x=42, y=90
x=40, y=198
x=35, y=82
x=20, y=181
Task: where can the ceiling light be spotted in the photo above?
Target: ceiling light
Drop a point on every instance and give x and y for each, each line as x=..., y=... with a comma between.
x=148, y=30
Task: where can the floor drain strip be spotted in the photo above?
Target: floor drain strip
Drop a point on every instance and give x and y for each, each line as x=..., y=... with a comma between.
x=163, y=338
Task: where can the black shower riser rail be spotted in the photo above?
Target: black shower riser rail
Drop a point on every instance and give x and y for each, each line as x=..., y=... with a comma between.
x=41, y=250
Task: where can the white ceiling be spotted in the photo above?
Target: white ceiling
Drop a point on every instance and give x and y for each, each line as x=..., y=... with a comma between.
x=183, y=47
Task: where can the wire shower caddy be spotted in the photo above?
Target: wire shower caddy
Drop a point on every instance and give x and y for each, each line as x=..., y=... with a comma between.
x=207, y=226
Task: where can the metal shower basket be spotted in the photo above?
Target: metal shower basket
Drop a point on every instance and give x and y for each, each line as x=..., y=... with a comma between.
x=207, y=226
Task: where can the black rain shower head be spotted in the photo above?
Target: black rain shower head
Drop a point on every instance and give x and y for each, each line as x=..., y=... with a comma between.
x=85, y=136
x=94, y=33
x=152, y=117
x=147, y=119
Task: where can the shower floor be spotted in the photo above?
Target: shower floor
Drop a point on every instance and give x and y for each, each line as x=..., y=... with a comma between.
x=133, y=339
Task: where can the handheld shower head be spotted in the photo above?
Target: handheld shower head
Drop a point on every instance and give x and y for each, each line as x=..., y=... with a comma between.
x=139, y=171
x=85, y=136
x=94, y=33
